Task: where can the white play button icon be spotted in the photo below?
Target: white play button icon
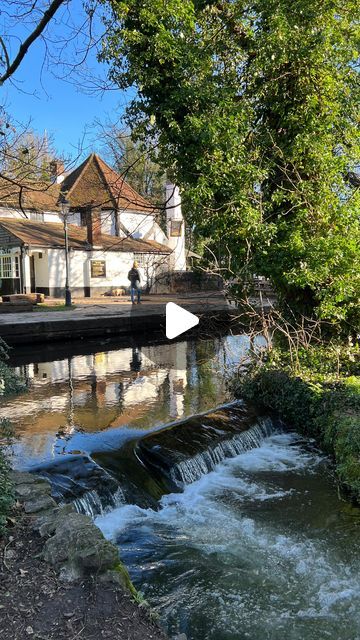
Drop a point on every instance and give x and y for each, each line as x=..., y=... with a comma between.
x=178, y=320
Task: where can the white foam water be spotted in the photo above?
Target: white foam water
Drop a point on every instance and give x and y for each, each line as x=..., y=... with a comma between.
x=191, y=469
x=243, y=553
x=92, y=504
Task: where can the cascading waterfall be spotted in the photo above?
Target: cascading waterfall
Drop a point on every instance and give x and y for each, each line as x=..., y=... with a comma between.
x=161, y=462
x=189, y=470
x=80, y=481
x=154, y=465
x=259, y=547
x=92, y=504
x=89, y=504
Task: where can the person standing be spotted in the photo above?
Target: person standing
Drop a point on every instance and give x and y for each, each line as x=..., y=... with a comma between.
x=135, y=281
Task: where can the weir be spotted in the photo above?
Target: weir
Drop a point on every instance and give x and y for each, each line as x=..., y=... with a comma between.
x=145, y=469
x=188, y=470
x=185, y=451
x=230, y=525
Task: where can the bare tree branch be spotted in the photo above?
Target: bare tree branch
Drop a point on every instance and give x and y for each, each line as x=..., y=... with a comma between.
x=24, y=47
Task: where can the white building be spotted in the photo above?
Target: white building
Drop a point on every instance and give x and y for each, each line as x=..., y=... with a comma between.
x=109, y=225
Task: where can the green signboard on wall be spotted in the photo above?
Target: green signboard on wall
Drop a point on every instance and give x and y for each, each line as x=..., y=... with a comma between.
x=98, y=268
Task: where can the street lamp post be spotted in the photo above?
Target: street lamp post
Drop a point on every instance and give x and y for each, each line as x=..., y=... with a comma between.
x=65, y=208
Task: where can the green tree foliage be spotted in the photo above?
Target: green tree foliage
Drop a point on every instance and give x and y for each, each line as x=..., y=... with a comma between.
x=254, y=106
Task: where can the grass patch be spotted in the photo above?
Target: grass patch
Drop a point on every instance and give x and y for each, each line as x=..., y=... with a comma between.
x=56, y=307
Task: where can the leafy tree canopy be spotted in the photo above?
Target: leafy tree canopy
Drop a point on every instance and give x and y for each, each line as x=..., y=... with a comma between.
x=254, y=107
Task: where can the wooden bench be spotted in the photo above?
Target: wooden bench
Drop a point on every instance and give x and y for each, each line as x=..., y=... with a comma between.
x=33, y=298
x=16, y=307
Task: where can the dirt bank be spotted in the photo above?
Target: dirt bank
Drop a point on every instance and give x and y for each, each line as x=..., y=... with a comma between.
x=35, y=605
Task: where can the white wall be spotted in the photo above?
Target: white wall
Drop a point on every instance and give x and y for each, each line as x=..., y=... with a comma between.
x=49, y=216
x=7, y=212
x=138, y=224
x=118, y=265
x=175, y=243
x=27, y=278
x=108, y=222
x=41, y=268
x=52, y=216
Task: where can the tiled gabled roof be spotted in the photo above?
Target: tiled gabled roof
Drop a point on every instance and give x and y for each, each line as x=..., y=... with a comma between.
x=51, y=235
x=35, y=196
x=95, y=183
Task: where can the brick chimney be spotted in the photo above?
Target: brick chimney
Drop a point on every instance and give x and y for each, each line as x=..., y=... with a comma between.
x=94, y=227
x=57, y=171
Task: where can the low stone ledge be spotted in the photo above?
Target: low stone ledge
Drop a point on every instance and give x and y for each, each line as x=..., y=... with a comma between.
x=78, y=543
x=23, y=477
x=32, y=490
x=46, y=523
x=39, y=503
x=75, y=546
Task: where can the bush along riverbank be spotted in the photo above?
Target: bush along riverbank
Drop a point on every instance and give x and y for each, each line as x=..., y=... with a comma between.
x=318, y=396
x=9, y=384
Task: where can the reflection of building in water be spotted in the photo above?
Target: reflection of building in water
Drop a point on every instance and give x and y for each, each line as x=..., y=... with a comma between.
x=130, y=387
x=152, y=362
x=135, y=364
x=178, y=380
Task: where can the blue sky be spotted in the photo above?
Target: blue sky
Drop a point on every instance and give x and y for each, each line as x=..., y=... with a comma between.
x=58, y=106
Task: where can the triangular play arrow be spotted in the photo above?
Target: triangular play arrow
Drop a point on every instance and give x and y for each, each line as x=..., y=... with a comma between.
x=178, y=320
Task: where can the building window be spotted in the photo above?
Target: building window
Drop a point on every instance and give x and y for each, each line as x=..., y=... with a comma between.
x=175, y=228
x=84, y=215
x=9, y=267
x=142, y=259
x=35, y=215
x=98, y=268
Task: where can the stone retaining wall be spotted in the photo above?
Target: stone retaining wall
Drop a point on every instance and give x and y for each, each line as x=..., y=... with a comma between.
x=72, y=542
x=187, y=282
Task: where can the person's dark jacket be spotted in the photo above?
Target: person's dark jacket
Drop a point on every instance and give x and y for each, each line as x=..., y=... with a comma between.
x=134, y=277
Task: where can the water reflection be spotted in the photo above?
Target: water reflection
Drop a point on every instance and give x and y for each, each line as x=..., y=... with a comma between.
x=93, y=401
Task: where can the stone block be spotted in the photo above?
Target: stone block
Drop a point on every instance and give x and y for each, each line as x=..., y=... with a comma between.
x=47, y=522
x=23, y=477
x=32, y=490
x=79, y=543
x=39, y=503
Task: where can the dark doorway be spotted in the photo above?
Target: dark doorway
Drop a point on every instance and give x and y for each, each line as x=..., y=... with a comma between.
x=32, y=274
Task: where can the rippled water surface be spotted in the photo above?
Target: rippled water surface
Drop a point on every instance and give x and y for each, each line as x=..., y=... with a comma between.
x=259, y=548
x=97, y=399
x=255, y=546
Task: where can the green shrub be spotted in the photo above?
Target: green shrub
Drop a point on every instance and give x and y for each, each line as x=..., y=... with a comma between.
x=10, y=383
x=6, y=488
x=316, y=402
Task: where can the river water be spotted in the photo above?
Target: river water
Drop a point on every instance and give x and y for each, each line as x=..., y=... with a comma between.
x=246, y=537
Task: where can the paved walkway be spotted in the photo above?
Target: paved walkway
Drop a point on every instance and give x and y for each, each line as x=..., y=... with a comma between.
x=101, y=317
